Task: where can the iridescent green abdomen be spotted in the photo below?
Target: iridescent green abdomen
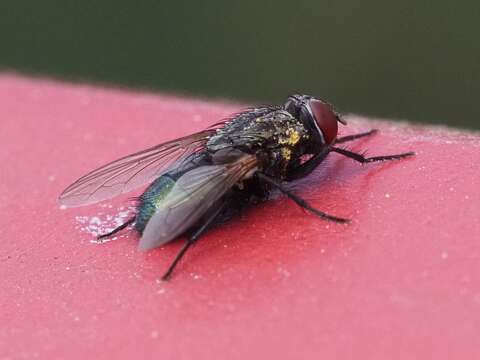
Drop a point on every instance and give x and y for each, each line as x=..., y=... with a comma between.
x=151, y=200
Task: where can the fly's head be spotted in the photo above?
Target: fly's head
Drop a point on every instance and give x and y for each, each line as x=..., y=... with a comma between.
x=318, y=117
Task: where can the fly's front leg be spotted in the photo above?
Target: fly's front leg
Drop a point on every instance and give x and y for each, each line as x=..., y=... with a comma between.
x=308, y=166
x=355, y=136
x=362, y=159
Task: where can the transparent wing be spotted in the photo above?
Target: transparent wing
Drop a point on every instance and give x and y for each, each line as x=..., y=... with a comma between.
x=190, y=198
x=131, y=171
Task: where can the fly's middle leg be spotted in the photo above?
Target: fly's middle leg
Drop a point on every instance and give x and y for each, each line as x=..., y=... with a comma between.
x=299, y=201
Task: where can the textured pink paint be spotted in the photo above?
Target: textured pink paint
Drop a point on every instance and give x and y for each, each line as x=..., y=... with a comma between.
x=402, y=281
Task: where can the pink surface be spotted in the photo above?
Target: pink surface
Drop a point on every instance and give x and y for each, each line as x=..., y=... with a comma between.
x=402, y=281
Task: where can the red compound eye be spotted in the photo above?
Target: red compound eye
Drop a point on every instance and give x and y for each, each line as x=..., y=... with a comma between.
x=325, y=118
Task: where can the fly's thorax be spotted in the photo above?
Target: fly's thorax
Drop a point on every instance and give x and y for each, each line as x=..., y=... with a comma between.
x=251, y=131
x=274, y=135
x=225, y=156
x=292, y=140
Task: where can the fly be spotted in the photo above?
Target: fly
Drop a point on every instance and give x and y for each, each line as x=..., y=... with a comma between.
x=206, y=178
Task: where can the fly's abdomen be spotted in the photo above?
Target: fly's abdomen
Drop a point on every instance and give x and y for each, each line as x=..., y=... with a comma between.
x=151, y=200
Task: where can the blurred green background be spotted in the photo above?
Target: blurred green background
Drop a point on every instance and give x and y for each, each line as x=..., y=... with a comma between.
x=413, y=60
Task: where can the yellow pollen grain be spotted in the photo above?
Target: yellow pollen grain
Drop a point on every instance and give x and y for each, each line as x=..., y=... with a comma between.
x=286, y=153
x=292, y=137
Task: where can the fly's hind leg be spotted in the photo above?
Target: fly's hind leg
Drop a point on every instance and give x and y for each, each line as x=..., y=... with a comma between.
x=117, y=229
x=209, y=220
x=299, y=201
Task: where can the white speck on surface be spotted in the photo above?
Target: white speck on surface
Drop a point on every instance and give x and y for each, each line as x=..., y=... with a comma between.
x=387, y=195
x=95, y=221
x=444, y=255
x=51, y=178
x=284, y=272
x=476, y=298
x=104, y=223
x=63, y=207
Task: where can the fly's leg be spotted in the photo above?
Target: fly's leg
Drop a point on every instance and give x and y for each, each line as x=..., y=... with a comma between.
x=310, y=165
x=180, y=254
x=299, y=201
x=355, y=136
x=362, y=159
x=117, y=229
x=192, y=239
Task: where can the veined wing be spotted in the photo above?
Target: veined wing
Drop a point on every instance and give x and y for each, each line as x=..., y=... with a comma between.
x=131, y=171
x=191, y=197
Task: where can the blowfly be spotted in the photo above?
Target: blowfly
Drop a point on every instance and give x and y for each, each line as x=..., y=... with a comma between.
x=205, y=178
